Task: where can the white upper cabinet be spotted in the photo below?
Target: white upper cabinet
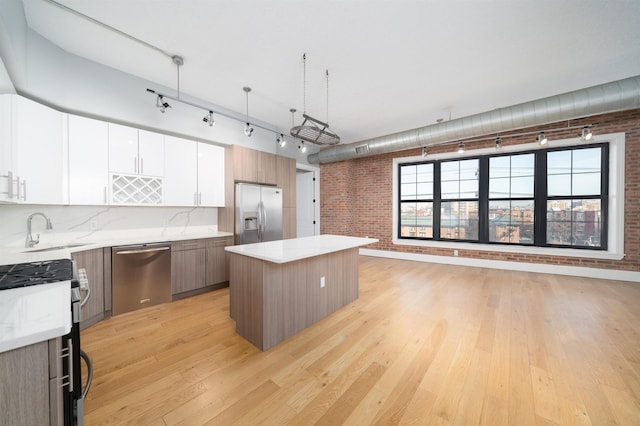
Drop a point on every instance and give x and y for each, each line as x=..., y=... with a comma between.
x=7, y=179
x=39, y=152
x=135, y=152
x=150, y=153
x=88, y=161
x=181, y=172
x=210, y=175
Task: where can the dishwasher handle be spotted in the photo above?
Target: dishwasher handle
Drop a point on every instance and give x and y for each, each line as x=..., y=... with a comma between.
x=144, y=250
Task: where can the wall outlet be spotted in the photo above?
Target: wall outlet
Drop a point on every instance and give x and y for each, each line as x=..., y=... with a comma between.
x=321, y=282
x=455, y=252
x=93, y=225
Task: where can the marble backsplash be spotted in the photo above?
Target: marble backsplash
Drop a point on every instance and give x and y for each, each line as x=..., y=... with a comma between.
x=83, y=222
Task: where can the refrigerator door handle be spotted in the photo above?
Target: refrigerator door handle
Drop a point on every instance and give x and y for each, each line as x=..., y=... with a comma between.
x=260, y=229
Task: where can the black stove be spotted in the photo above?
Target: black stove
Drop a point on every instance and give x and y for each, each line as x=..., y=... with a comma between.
x=34, y=273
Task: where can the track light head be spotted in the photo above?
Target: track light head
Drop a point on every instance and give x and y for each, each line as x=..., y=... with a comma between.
x=586, y=133
x=542, y=139
x=248, y=130
x=281, y=140
x=209, y=119
x=425, y=151
x=498, y=143
x=460, y=147
x=302, y=148
x=161, y=104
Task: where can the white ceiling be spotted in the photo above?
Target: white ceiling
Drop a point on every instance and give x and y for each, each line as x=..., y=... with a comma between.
x=394, y=65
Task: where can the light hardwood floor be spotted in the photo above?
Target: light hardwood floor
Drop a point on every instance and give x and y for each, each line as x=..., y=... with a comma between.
x=424, y=344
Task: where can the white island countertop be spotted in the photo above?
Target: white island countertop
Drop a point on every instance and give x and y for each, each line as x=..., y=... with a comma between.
x=283, y=251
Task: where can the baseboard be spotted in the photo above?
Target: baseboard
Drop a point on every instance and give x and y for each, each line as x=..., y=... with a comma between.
x=576, y=271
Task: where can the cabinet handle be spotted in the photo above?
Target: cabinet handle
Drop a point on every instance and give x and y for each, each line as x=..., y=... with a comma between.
x=24, y=189
x=105, y=195
x=10, y=184
x=135, y=164
x=199, y=198
x=141, y=165
x=195, y=198
x=68, y=353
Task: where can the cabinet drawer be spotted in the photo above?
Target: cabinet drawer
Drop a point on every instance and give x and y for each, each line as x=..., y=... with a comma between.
x=188, y=245
x=220, y=242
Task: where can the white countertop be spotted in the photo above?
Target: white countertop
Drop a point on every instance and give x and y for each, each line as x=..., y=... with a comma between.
x=10, y=255
x=33, y=314
x=283, y=251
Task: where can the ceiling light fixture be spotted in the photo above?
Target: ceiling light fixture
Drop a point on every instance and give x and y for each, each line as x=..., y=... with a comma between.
x=162, y=104
x=302, y=148
x=498, y=143
x=209, y=119
x=586, y=133
x=542, y=139
x=460, y=147
x=281, y=140
x=425, y=151
x=311, y=129
x=248, y=130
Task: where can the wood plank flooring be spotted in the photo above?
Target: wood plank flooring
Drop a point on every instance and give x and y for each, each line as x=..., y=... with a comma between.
x=424, y=344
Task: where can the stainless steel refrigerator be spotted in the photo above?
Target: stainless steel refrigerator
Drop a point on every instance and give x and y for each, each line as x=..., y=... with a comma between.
x=258, y=213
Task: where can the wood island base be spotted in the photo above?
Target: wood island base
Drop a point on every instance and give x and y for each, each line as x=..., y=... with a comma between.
x=273, y=301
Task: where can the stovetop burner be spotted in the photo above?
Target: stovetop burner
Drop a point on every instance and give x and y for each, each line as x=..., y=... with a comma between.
x=34, y=273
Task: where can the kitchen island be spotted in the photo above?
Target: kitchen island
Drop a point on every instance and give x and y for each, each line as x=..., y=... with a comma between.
x=279, y=288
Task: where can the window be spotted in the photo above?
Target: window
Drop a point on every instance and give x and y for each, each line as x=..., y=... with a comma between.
x=459, y=199
x=511, y=198
x=416, y=205
x=548, y=198
x=575, y=196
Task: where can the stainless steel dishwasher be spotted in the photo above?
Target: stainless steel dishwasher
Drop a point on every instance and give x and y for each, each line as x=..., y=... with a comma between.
x=141, y=276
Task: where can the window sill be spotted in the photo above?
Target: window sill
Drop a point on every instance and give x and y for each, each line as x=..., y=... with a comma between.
x=542, y=251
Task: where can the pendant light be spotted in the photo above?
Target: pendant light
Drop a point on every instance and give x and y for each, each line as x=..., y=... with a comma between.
x=248, y=130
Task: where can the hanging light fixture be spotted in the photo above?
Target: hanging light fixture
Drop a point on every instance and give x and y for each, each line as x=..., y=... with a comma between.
x=586, y=133
x=498, y=143
x=248, y=130
x=541, y=139
x=460, y=147
x=209, y=119
x=281, y=141
x=311, y=129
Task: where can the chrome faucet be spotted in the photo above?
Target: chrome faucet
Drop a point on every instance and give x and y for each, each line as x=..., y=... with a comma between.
x=30, y=241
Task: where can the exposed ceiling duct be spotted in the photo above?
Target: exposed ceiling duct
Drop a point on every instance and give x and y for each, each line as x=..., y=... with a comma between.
x=615, y=96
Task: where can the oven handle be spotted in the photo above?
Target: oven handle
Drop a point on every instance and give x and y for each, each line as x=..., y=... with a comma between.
x=147, y=250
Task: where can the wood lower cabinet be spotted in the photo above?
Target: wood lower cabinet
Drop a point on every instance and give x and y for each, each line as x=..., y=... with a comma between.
x=92, y=261
x=196, y=264
x=218, y=260
x=187, y=265
x=29, y=389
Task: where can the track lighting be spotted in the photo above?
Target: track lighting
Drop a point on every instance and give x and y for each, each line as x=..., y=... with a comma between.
x=425, y=151
x=460, y=147
x=302, y=148
x=542, y=139
x=161, y=104
x=498, y=143
x=209, y=119
x=281, y=140
x=586, y=133
x=248, y=130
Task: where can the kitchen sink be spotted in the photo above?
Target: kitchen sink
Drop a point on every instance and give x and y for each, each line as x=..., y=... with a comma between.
x=65, y=246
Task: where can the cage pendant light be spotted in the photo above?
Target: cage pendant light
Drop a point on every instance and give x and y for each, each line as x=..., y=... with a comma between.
x=313, y=130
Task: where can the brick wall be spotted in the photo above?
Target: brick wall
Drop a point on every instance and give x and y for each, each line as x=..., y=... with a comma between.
x=356, y=196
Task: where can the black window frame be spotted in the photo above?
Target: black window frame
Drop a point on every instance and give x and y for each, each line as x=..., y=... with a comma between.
x=540, y=198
